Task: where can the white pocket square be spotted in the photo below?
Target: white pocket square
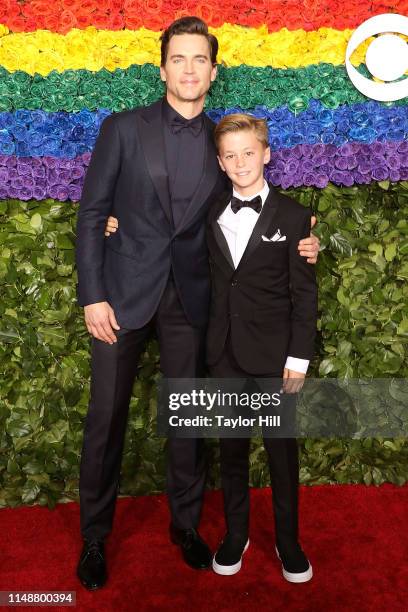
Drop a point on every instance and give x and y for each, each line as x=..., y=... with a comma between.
x=277, y=237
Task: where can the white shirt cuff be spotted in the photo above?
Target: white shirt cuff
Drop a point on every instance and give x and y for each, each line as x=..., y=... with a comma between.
x=297, y=365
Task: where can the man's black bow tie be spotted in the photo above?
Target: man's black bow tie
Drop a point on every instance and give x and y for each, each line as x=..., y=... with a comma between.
x=193, y=125
x=255, y=204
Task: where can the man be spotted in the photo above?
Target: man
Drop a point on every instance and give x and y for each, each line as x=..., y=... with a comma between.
x=150, y=275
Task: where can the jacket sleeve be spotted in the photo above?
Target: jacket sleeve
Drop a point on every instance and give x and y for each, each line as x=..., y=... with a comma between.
x=94, y=209
x=303, y=290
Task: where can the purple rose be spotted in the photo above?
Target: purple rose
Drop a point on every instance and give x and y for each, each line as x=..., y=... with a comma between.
x=322, y=180
x=28, y=181
x=39, y=172
x=318, y=160
x=404, y=174
x=9, y=160
x=341, y=163
x=404, y=159
x=13, y=193
x=59, y=192
x=53, y=176
x=287, y=181
x=285, y=154
x=325, y=169
x=77, y=172
x=309, y=179
x=307, y=165
x=24, y=169
x=364, y=167
x=319, y=150
x=342, y=178
x=380, y=173
x=26, y=193
x=403, y=146
x=17, y=183
x=378, y=148
x=39, y=193
x=74, y=193
x=306, y=150
x=66, y=164
x=351, y=162
x=297, y=152
x=393, y=162
x=394, y=175
x=291, y=166
x=330, y=150
x=64, y=176
x=50, y=162
x=345, y=150
x=275, y=178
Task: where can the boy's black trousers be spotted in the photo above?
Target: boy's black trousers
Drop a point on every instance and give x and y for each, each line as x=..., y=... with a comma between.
x=283, y=466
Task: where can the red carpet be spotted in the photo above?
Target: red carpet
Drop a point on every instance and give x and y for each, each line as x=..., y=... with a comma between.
x=355, y=536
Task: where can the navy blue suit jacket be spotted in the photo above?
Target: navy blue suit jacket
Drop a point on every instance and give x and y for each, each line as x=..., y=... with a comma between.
x=127, y=178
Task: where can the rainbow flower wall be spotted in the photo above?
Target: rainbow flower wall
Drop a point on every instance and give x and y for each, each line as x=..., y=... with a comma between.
x=66, y=66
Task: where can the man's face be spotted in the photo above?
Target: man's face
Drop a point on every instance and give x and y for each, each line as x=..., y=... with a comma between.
x=188, y=71
x=242, y=156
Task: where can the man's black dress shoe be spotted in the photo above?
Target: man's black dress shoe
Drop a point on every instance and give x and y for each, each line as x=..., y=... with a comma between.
x=91, y=568
x=195, y=551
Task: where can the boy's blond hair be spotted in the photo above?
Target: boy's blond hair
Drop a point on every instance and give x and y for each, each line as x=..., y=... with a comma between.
x=238, y=122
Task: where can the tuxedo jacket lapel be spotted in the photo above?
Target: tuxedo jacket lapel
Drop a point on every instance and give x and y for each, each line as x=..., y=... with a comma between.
x=208, y=178
x=218, y=236
x=261, y=227
x=150, y=125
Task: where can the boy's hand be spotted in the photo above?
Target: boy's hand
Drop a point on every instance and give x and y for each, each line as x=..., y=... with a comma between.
x=309, y=247
x=101, y=321
x=292, y=381
x=112, y=225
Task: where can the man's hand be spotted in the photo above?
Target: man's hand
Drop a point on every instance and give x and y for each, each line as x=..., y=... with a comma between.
x=101, y=321
x=309, y=247
x=292, y=381
x=112, y=225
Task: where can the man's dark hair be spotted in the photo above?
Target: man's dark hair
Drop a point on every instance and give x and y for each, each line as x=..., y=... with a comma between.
x=188, y=25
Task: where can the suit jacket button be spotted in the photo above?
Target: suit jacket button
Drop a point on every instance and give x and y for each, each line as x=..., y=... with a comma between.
x=234, y=283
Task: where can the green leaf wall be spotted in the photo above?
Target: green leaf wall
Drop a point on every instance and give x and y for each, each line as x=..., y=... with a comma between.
x=44, y=347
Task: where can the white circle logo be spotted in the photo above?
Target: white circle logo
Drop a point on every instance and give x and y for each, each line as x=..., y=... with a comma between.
x=386, y=57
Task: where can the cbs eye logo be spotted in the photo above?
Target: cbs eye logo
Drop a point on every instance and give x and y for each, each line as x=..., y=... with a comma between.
x=386, y=57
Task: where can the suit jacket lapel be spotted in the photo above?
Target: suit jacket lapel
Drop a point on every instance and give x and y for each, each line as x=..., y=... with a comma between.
x=208, y=178
x=264, y=220
x=150, y=125
x=217, y=233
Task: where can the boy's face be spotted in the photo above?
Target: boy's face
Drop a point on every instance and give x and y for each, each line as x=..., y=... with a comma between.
x=188, y=71
x=242, y=156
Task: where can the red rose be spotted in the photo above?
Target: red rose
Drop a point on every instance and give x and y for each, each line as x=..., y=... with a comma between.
x=116, y=21
x=51, y=22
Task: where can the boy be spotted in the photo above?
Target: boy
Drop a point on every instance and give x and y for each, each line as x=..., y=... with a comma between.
x=262, y=324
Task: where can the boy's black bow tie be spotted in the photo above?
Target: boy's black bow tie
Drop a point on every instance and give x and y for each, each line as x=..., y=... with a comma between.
x=193, y=125
x=255, y=204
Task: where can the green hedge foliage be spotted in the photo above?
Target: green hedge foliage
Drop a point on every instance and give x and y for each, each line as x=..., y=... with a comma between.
x=44, y=348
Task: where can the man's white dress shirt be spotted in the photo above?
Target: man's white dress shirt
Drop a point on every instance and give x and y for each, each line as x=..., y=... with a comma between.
x=237, y=229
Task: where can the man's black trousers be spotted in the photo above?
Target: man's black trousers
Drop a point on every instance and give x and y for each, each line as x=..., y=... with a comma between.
x=114, y=368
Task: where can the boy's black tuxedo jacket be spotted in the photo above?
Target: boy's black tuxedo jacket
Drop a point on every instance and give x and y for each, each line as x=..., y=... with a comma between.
x=269, y=302
x=127, y=178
